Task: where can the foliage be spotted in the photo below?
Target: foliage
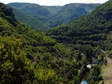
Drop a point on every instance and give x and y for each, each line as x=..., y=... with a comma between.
x=91, y=36
x=28, y=56
x=35, y=15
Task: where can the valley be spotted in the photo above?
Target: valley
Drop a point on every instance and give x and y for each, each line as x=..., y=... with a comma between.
x=55, y=44
x=35, y=15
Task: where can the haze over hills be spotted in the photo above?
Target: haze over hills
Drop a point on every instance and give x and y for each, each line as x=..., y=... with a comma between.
x=35, y=15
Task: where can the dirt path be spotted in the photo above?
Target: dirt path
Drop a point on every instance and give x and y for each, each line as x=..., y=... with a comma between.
x=107, y=72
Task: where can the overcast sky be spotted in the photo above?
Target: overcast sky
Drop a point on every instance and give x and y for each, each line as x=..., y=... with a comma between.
x=55, y=2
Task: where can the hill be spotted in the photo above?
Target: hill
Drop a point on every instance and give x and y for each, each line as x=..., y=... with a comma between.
x=70, y=12
x=94, y=29
x=35, y=15
x=28, y=56
x=31, y=14
x=90, y=28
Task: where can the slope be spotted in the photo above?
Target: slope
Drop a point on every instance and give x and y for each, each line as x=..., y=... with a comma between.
x=94, y=29
x=31, y=14
x=35, y=15
x=28, y=56
x=91, y=28
x=70, y=12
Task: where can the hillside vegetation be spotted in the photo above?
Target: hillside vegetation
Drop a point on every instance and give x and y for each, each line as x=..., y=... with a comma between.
x=94, y=29
x=35, y=15
x=66, y=54
x=29, y=56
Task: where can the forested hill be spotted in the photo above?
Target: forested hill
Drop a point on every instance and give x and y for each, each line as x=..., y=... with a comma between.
x=70, y=12
x=28, y=56
x=32, y=15
x=7, y=13
x=88, y=33
x=92, y=28
x=35, y=15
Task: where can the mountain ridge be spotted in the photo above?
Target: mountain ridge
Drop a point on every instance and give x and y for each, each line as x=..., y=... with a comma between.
x=62, y=14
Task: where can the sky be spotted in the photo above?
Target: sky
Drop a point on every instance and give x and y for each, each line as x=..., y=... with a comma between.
x=54, y=2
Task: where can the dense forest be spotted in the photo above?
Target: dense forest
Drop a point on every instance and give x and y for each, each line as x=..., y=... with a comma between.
x=90, y=31
x=58, y=56
x=93, y=29
x=35, y=15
